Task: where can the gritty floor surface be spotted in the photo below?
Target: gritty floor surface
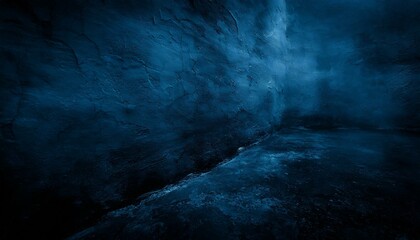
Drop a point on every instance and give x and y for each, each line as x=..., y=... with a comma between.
x=295, y=184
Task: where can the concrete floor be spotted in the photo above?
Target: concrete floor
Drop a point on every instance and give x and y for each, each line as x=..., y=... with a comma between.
x=295, y=184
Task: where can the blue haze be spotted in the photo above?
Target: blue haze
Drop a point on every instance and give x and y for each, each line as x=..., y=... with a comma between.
x=102, y=101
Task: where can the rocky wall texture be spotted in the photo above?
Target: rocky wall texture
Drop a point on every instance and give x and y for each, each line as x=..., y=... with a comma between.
x=104, y=100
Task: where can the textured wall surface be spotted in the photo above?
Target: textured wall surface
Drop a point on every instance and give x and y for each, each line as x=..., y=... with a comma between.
x=104, y=100
x=353, y=64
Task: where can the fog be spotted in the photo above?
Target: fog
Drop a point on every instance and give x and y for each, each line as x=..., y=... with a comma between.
x=102, y=101
x=353, y=64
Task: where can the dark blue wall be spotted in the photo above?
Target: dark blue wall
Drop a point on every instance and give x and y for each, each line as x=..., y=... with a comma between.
x=353, y=64
x=102, y=101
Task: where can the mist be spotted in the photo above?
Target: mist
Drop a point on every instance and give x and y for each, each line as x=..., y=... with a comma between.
x=352, y=64
x=104, y=103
